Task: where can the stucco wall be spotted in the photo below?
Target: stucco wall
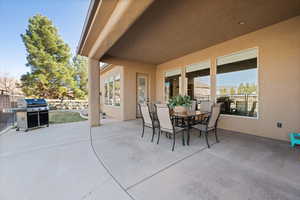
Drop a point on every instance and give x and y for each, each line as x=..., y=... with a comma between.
x=128, y=85
x=279, y=78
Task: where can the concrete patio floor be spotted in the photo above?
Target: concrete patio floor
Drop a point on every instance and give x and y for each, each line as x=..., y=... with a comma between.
x=58, y=163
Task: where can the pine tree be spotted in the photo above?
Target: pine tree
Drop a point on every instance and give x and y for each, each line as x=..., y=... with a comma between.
x=80, y=67
x=232, y=91
x=48, y=56
x=223, y=91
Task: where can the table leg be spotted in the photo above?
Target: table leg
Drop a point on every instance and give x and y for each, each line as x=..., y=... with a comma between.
x=188, y=131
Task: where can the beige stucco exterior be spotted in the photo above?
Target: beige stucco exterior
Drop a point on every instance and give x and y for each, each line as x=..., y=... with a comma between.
x=128, y=71
x=279, y=78
x=124, y=35
x=112, y=111
x=93, y=92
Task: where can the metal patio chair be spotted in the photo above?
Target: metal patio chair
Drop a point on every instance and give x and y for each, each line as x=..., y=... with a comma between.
x=210, y=123
x=166, y=124
x=148, y=120
x=205, y=106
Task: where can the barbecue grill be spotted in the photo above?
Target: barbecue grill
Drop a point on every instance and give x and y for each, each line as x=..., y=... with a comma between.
x=32, y=113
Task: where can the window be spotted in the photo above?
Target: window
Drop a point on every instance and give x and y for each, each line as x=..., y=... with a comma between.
x=106, y=93
x=237, y=83
x=112, y=91
x=198, y=81
x=117, y=96
x=172, y=84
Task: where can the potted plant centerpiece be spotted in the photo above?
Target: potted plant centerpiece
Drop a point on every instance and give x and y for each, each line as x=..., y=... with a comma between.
x=180, y=103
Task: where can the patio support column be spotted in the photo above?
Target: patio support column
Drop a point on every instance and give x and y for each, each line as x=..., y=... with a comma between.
x=94, y=92
x=213, y=80
x=183, y=82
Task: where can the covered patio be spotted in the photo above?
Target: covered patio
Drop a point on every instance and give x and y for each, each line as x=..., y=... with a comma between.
x=60, y=157
x=219, y=51
x=244, y=54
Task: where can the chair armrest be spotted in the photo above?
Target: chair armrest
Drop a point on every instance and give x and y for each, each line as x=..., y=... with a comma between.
x=205, y=120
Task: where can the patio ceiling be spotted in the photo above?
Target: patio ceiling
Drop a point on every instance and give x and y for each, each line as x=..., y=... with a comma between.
x=172, y=28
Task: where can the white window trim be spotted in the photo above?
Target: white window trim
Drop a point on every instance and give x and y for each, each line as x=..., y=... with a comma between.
x=198, y=66
x=242, y=55
x=107, y=81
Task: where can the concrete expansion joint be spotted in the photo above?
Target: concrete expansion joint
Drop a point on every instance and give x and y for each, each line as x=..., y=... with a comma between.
x=126, y=189
x=165, y=168
x=101, y=162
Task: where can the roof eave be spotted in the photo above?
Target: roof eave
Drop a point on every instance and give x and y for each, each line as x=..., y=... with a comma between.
x=87, y=24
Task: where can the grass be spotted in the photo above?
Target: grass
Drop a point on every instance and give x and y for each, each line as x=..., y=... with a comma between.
x=64, y=117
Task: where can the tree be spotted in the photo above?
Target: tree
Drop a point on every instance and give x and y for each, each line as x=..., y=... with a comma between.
x=9, y=85
x=247, y=89
x=241, y=89
x=232, y=91
x=79, y=64
x=48, y=56
x=223, y=91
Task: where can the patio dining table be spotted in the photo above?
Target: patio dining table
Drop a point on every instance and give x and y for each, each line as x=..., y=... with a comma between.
x=187, y=118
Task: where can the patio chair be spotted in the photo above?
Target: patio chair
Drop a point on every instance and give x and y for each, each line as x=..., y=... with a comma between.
x=241, y=107
x=165, y=123
x=252, y=111
x=210, y=124
x=194, y=108
x=205, y=106
x=194, y=105
x=148, y=120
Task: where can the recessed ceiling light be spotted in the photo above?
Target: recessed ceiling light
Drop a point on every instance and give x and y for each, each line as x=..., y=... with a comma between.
x=241, y=23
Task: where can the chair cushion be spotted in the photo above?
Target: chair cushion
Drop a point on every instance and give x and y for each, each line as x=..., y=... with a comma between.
x=156, y=125
x=202, y=127
x=177, y=129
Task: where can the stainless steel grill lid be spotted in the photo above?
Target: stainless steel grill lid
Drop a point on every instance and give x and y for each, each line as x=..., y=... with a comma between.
x=36, y=102
x=32, y=103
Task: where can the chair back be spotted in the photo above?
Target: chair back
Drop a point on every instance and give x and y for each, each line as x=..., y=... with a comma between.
x=241, y=107
x=252, y=111
x=205, y=106
x=145, y=111
x=215, y=114
x=163, y=116
x=152, y=105
x=194, y=105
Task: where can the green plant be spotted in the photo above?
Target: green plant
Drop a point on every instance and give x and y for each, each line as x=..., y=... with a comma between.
x=180, y=101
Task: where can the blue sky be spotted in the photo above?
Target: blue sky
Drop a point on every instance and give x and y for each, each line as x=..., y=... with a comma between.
x=236, y=78
x=67, y=15
x=233, y=79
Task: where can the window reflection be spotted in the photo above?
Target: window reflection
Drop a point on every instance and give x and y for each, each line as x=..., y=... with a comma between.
x=237, y=83
x=198, y=83
x=172, y=84
x=172, y=87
